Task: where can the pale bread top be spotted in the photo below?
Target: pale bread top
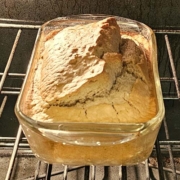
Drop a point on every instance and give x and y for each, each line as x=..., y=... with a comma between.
x=88, y=73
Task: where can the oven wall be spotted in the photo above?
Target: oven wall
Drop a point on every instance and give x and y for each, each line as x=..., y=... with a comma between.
x=152, y=12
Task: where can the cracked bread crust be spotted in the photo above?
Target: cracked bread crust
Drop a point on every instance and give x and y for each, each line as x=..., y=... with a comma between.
x=110, y=82
x=73, y=59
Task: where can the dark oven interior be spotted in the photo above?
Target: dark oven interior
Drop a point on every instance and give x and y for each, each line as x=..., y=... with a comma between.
x=19, y=25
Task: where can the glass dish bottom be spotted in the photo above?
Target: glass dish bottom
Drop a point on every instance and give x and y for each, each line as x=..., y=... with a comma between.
x=129, y=153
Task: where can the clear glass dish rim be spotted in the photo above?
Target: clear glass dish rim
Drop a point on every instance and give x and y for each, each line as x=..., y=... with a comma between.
x=48, y=125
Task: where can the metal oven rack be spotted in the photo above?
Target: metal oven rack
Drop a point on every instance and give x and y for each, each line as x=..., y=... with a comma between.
x=16, y=159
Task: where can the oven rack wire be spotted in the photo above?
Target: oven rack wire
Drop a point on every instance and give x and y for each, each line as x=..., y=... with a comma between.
x=18, y=146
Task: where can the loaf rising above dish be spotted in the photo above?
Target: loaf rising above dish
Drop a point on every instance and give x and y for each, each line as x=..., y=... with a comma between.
x=92, y=73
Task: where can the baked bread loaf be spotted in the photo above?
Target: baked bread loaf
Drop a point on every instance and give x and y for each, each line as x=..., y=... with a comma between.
x=100, y=73
x=92, y=73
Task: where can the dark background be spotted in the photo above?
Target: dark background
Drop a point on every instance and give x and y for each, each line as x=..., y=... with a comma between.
x=151, y=12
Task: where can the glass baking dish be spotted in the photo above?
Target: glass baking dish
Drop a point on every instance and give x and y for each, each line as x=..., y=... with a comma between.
x=91, y=143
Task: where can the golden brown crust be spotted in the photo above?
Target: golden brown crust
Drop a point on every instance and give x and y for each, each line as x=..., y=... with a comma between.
x=120, y=89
